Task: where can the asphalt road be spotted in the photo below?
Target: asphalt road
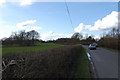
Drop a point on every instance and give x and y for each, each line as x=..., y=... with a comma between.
x=105, y=62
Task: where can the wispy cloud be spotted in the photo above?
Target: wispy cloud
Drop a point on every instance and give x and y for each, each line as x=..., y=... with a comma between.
x=26, y=23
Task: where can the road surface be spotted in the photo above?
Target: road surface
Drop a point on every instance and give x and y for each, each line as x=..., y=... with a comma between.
x=105, y=62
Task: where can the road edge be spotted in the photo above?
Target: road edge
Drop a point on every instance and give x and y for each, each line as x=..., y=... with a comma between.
x=92, y=69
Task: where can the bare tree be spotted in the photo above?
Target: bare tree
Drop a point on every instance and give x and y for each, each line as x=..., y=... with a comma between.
x=23, y=38
x=33, y=35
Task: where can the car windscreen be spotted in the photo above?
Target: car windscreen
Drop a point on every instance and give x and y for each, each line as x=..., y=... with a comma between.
x=93, y=45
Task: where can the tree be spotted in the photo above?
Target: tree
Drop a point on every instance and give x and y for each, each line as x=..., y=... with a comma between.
x=33, y=34
x=32, y=37
x=110, y=39
x=77, y=36
x=23, y=38
x=19, y=37
x=113, y=32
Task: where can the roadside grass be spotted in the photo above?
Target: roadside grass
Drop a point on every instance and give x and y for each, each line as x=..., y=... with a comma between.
x=82, y=70
x=21, y=49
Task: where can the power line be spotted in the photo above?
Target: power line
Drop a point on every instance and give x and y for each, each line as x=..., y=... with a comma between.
x=69, y=14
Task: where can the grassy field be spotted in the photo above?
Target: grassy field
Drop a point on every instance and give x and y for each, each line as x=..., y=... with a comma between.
x=21, y=49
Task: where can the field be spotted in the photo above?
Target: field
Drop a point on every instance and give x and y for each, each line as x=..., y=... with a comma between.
x=46, y=61
x=21, y=49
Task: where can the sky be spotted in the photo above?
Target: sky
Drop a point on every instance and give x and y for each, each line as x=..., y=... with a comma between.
x=52, y=20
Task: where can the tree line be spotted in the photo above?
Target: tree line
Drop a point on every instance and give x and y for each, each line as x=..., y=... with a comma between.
x=108, y=40
x=111, y=39
x=22, y=38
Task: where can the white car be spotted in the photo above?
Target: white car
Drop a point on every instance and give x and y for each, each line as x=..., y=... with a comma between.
x=95, y=44
x=92, y=46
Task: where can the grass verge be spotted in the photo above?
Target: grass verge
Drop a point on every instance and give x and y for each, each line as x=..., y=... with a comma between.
x=82, y=70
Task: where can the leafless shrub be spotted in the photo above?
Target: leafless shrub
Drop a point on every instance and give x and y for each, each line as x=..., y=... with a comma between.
x=55, y=63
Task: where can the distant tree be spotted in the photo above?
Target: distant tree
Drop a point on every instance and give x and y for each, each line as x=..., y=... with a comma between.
x=90, y=38
x=33, y=35
x=113, y=31
x=118, y=31
x=110, y=39
x=7, y=41
x=19, y=37
x=77, y=36
x=23, y=38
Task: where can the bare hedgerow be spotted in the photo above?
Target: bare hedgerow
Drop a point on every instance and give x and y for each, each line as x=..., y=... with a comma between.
x=55, y=63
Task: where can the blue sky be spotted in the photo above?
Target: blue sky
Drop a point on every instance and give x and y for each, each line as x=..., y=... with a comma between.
x=52, y=21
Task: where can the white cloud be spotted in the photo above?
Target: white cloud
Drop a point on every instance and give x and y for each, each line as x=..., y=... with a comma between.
x=26, y=23
x=26, y=2
x=79, y=28
x=53, y=36
x=8, y=29
x=87, y=26
x=106, y=23
x=2, y=2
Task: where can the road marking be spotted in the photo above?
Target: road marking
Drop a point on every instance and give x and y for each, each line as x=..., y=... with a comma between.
x=94, y=75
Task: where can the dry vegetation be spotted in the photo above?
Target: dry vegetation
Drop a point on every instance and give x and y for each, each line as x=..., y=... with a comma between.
x=111, y=40
x=54, y=63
